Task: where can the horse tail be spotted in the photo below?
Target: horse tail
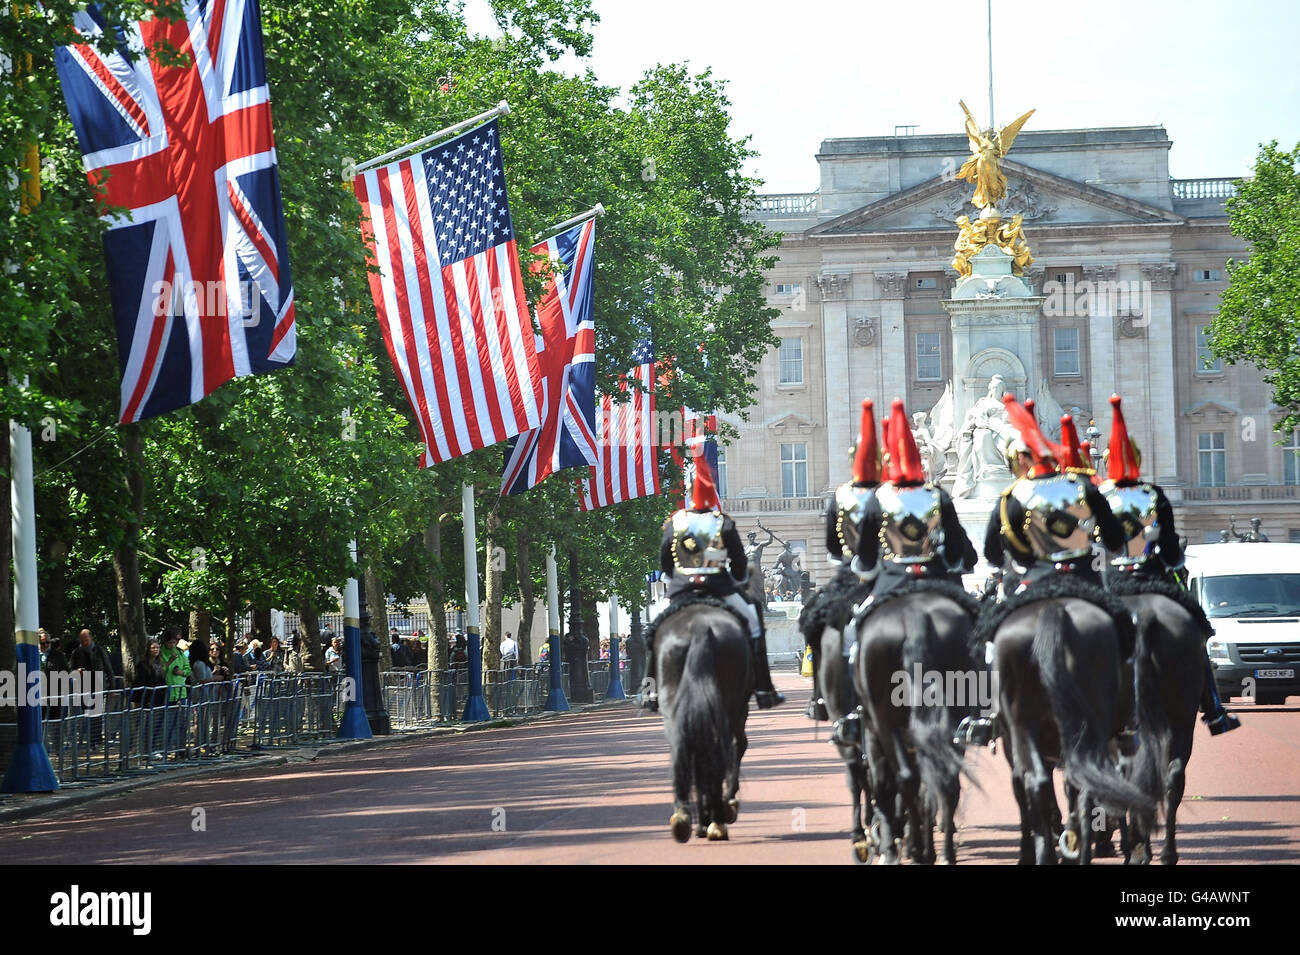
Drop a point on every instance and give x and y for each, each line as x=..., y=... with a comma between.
x=1084, y=731
x=940, y=763
x=704, y=724
x=1152, y=761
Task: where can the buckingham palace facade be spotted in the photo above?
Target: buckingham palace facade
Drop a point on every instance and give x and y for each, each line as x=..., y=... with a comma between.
x=863, y=273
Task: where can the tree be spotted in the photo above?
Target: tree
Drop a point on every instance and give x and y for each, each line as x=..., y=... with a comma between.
x=1259, y=312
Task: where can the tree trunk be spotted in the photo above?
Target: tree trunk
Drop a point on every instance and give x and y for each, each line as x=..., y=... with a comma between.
x=377, y=604
x=201, y=629
x=8, y=642
x=262, y=624
x=312, y=656
x=523, y=567
x=491, y=632
x=232, y=613
x=126, y=560
x=591, y=626
x=54, y=613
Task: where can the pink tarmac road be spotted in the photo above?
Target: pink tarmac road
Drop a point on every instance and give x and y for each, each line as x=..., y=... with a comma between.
x=594, y=788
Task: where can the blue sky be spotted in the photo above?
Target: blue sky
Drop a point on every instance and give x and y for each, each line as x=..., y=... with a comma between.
x=1220, y=77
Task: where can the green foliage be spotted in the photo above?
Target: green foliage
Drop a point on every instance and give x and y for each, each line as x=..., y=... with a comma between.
x=1259, y=312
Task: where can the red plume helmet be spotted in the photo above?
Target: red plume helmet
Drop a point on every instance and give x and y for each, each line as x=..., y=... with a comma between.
x=906, y=467
x=866, y=461
x=1072, y=452
x=704, y=496
x=1042, y=450
x=1124, y=463
x=1029, y=406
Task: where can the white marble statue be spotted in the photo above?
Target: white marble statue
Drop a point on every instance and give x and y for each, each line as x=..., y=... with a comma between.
x=982, y=470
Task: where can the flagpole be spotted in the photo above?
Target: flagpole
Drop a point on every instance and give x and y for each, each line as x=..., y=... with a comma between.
x=992, y=124
x=475, y=706
x=353, y=724
x=29, y=765
x=555, y=702
x=501, y=109
x=597, y=210
x=615, y=690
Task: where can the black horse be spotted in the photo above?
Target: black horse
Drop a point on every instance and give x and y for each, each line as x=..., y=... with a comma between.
x=905, y=645
x=705, y=672
x=1171, y=674
x=1065, y=691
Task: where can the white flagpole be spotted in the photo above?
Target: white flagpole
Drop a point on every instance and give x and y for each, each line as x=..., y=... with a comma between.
x=29, y=765
x=615, y=689
x=556, y=702
x=353, y=724
x=475, y=706
x=501, y=109
x=597, y=210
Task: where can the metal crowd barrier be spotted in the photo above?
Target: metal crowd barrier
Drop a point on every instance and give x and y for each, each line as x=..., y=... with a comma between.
x=133, y=730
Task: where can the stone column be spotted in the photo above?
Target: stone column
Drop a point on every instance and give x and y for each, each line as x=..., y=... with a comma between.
x=834, y=287
x=1163, y=464
x=1101, y=342
x=893, y=340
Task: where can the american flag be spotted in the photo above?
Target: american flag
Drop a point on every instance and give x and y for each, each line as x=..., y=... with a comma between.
x=627, y=464
x=198, y=266
x=567, y=437
x=449, y=293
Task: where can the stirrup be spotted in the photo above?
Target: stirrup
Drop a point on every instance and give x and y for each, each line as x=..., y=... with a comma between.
x=816, y=710
x=976, y=731
x=766, y=699
x=847, y=730
x=1223, y=722
x=650, y=702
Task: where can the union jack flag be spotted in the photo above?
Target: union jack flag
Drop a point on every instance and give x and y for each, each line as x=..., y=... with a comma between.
x=449, y=293
x=627, y=464
x=198, y=265
x=567, y=437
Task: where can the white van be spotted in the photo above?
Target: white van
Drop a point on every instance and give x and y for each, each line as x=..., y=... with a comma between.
x=1251, y=593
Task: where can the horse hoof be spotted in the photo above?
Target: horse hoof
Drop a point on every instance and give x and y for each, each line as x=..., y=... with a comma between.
x=681, y=825
x=1141, y=854
x=717, y=832
x=862, y=852
x=1069, y=844
x=733, y=810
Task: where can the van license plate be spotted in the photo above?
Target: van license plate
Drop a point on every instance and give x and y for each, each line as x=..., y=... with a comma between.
x=1287, y=674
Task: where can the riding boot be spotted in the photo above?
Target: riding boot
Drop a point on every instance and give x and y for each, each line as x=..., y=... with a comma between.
x=765, y=694
x=817, y=705
x=847, y=730
x=1216, y=717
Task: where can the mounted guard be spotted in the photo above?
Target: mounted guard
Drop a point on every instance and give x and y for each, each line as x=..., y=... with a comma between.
x=701, y=552
x=909, y=532
x=1151, y=551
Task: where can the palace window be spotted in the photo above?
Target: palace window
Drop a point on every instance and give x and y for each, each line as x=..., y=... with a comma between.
x=1206, y=362
x=1065, y=342
x=722, y=472
x=1291, y=459
x=929, y=361
x=790, y=355
x=789, y=288
x=1207, y=275
x=794, y=470
x=926, y=283
x=1211, y=459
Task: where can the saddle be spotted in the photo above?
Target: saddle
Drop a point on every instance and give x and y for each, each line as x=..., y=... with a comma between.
x=991, y=615
x=689, y=598
x=1126, y=585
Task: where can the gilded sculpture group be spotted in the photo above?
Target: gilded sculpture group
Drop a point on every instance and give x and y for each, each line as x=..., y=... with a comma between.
x=984, y=169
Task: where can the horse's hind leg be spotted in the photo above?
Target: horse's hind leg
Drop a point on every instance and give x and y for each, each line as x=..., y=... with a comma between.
x=733, y=779
x=948, y=814
x=857, y=772
x=680, y=821
x=1174, y=784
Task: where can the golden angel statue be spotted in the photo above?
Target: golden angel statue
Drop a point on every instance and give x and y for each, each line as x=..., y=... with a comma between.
x=984, y=167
